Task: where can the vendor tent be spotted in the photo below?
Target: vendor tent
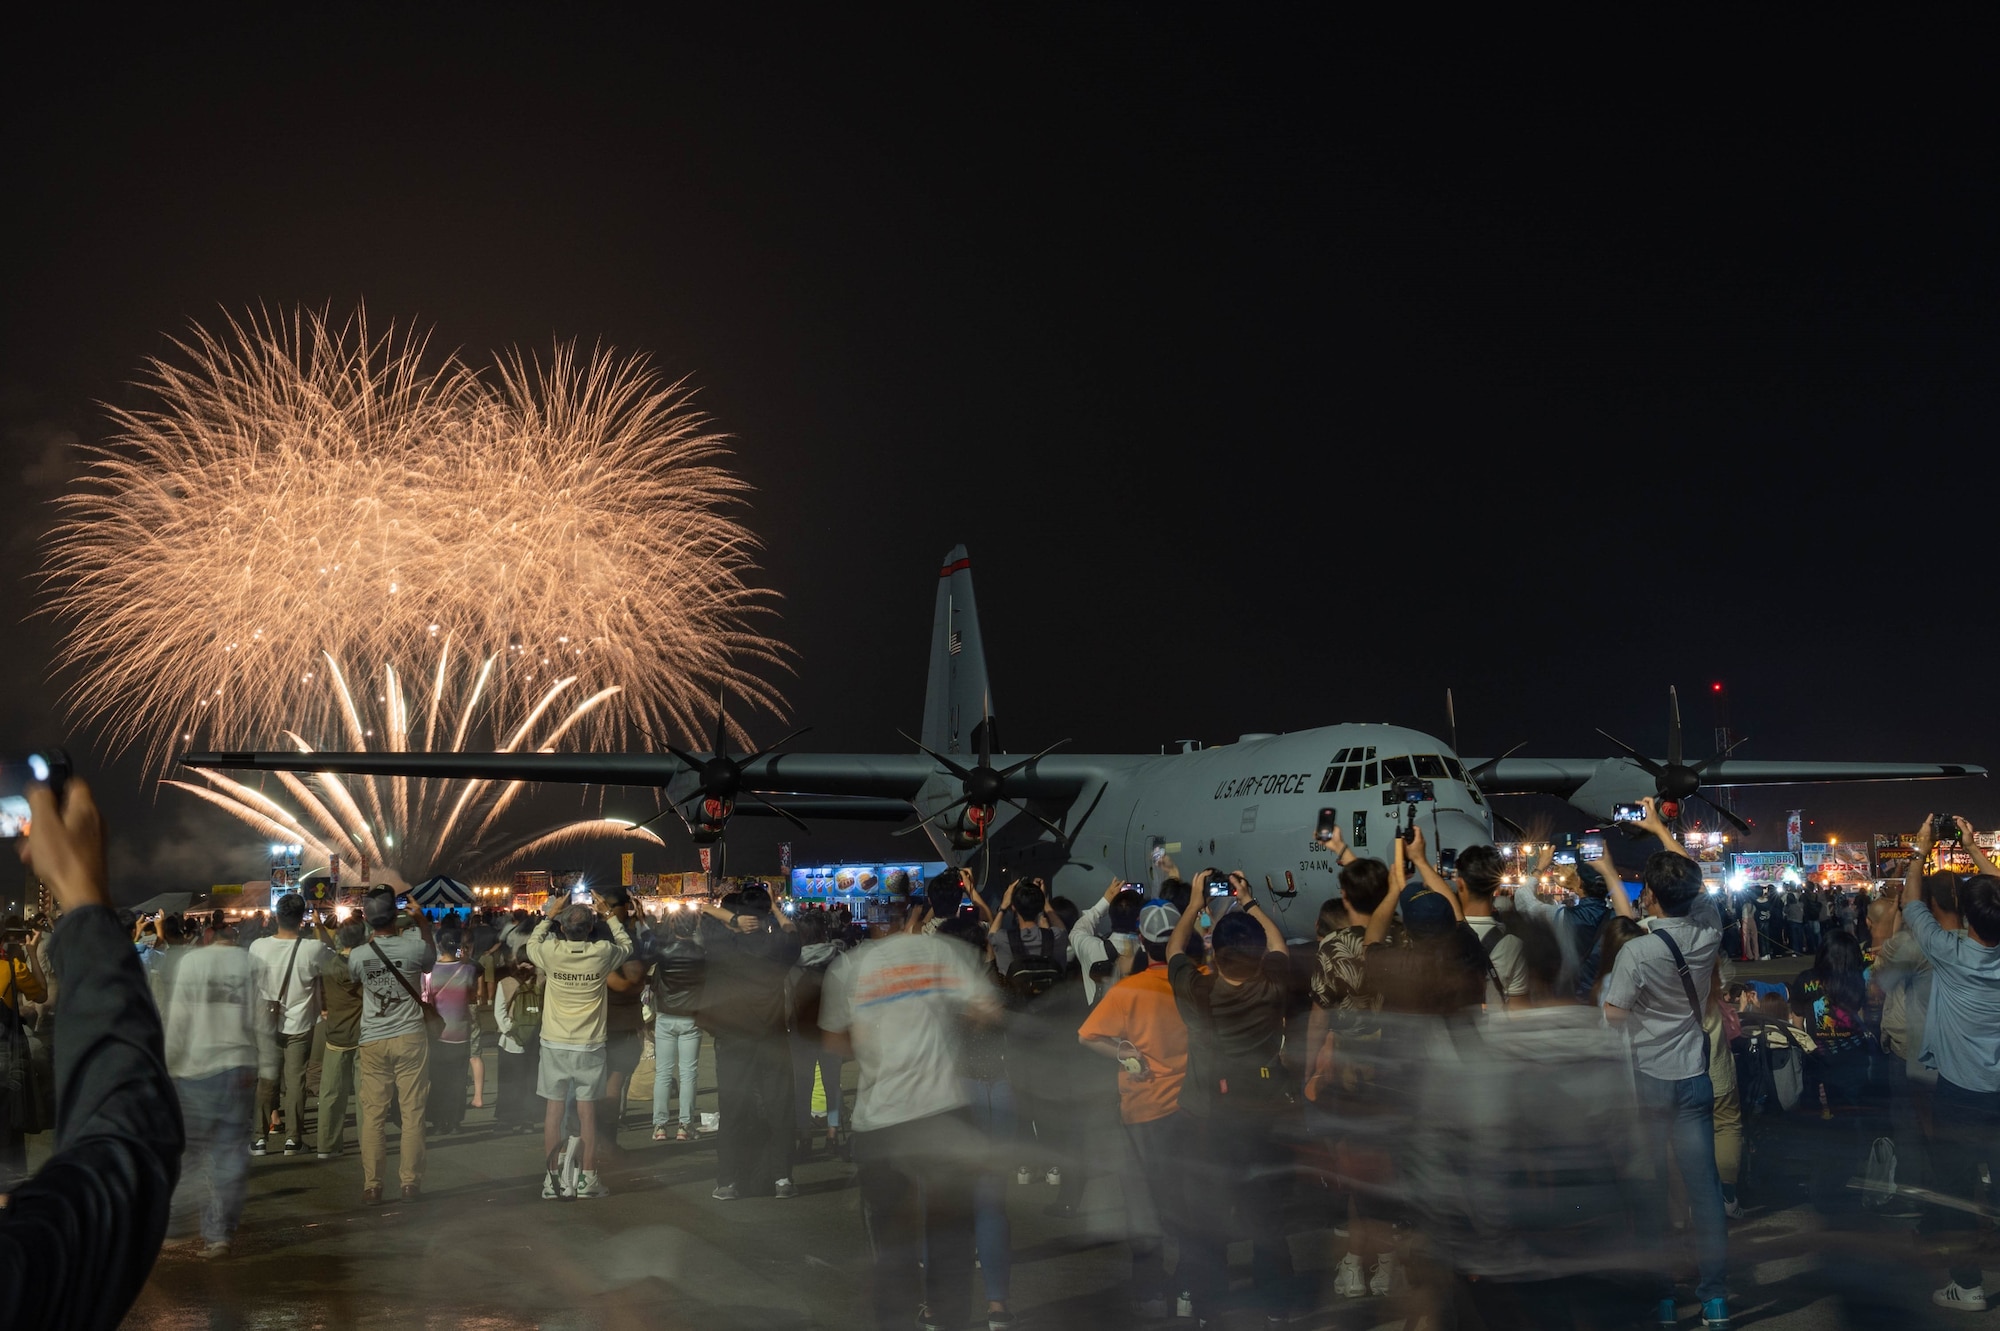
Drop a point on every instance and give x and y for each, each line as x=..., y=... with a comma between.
x=442, y=891
x=173, y=903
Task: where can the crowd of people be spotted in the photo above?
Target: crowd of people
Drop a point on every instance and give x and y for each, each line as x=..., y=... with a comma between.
x=1525, y=1110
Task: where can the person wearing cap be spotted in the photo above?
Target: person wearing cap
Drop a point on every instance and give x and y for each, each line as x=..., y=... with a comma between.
x=574, y=962
x=1137, y=1024
x=390, y=966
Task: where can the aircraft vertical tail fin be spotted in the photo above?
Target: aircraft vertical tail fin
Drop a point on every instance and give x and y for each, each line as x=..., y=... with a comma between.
x=958, y=698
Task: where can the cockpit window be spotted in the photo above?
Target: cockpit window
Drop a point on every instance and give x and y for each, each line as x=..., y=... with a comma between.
x=1341, y=757
x=1371, y=776
x=1457, y=769
x=1350, y=778
x=1395, y=767
x=1431, y=767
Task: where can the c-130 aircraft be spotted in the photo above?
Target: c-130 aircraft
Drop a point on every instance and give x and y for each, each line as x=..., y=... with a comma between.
x=1080, y=819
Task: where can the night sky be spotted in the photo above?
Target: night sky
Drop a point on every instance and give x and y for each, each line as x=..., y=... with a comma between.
x=1275, y=374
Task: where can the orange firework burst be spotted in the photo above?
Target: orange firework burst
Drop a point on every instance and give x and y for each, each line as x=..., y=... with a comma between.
x=313, y=538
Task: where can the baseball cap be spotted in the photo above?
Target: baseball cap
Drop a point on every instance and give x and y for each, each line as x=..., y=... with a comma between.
x=1157, y=921
x=1425, y=913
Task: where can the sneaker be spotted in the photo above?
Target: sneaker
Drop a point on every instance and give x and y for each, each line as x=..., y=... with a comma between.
x=783, y=1189
x=552, y=1188
x=257, y=1147
x=999, y=1319
x=1153, y=1310
x=291, y=1147
x=1733, y=1209
x=1383, y=1274
x=1054, y=1178
x=589, y=1185
x=1022, y=1175
x=1348, y=1281
x=1958, y=1296
x=725, y=1193
x=1715, y=1315
x=1184, y=1305
x=215, y=1250
x=1667, y=1313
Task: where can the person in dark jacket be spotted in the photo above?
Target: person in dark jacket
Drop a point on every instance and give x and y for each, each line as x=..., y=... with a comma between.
x=78, y=1240
x=676, y=975
x=743, y=1007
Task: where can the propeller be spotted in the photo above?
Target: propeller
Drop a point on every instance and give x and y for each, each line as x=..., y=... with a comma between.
x=1676, y=781
x=720, y=779
x=983, y=787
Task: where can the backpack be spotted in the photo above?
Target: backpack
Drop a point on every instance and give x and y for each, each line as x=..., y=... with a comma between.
x=1028, y=976
x=524, y=1010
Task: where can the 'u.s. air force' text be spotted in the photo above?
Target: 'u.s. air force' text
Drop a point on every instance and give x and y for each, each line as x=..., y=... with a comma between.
x=1280, y=783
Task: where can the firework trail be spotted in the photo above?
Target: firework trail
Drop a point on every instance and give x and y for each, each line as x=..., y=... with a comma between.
x=312, y=538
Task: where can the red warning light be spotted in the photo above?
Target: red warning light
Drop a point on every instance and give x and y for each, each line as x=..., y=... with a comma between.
x=1715, y=687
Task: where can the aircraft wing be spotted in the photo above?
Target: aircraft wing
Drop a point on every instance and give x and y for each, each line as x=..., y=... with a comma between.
x=872, y=776
x=1565, y=776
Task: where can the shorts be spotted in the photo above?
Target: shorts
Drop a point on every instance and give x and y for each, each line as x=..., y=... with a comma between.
x=488, y=964
x=562, y=1073
x=623, y=1050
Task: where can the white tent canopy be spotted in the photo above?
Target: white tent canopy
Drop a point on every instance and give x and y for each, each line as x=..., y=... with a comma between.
x=442, y=891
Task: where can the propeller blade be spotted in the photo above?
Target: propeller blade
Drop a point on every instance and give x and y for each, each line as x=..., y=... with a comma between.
x=961, y=773
x=749, y=758
x=986, y=729
x=694, y=764
x=1647, y=763
x=1037, y=758
x=1512, y=826
x=918, y=827
x=1709, y=762
x=1734, y=821
x=786, y=814
x=1485, y=769
x=1673, y=726
x=718, y=721
x=1451, y=715
x=1061, y=836
x=670, y=809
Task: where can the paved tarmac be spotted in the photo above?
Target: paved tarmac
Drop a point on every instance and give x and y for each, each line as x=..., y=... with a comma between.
x=483, y=1250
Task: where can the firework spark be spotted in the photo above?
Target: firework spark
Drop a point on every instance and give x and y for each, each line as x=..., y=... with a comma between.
x=555, y=549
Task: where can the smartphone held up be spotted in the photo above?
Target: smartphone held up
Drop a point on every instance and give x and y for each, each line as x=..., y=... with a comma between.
x=49, y=767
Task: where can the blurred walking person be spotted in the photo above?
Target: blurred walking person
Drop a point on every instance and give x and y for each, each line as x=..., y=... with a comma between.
x=453, y=989
x=743, y=1004
x=220, y=1038
x=1961, y=1043
x=517, y=1011
x=395, y=1045
x=20, y=982
x=894, y=1005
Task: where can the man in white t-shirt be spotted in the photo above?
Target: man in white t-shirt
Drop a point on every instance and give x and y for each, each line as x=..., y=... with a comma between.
x=895, y=1006
x=1657, y=994
x=288, y=972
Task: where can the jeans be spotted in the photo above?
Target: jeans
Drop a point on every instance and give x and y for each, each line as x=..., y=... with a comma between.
x=676, y=1053
x=519, y=1106
x=1967, y=1124
x=808, y=1053
x=292, y=1052
x=401, y=1063
x=1681, y=1115
x=215, y=1171
x=916, y=1182
x=993, y=1114
x=1796, y=931
x=336, y=1083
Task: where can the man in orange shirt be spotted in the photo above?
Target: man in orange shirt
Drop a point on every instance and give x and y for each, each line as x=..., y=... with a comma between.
x=1137, y=1024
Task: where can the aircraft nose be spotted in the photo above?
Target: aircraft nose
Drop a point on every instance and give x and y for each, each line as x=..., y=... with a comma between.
x=1455, y=830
